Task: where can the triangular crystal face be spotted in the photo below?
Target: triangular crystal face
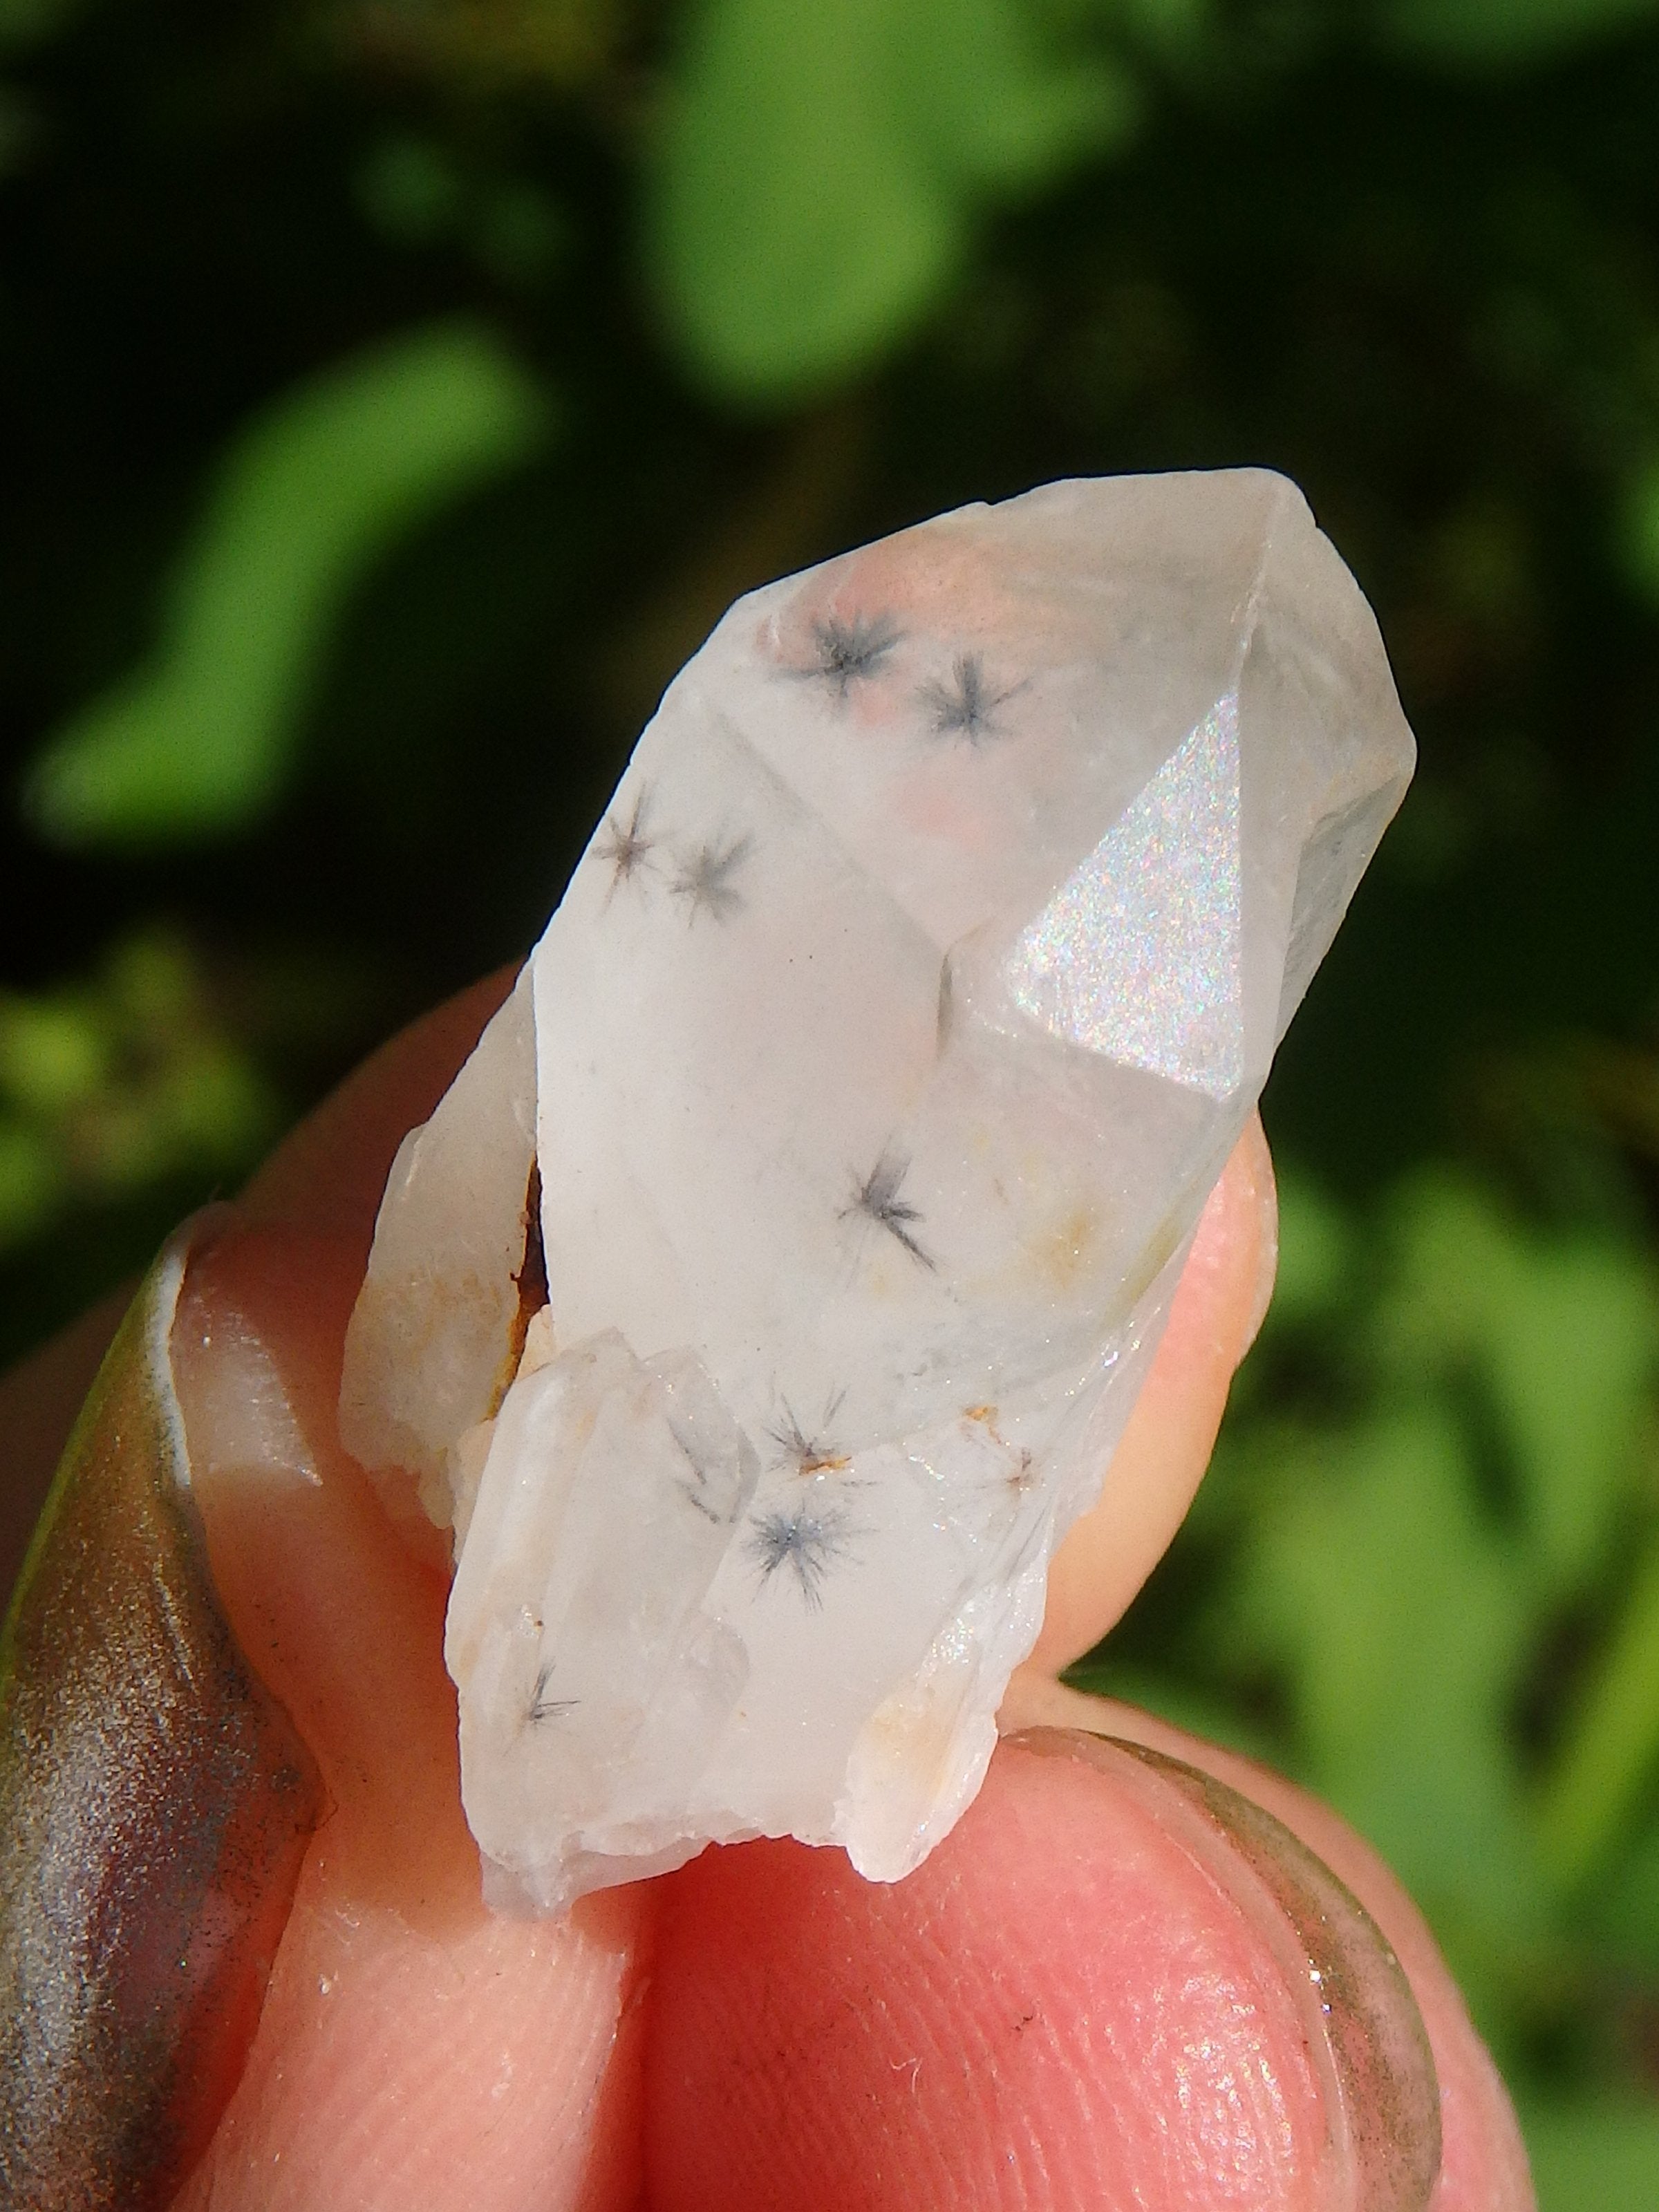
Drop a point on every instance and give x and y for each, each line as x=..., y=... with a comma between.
x=1139, y=955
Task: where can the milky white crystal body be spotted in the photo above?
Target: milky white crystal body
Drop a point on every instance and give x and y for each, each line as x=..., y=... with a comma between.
x=876, y=1065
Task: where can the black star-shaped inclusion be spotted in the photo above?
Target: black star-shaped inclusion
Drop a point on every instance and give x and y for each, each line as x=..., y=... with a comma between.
x=704, y=881
x=807, y=1454
x=850, y=653
x=809, y=1541
x=969, y=709
x=623, y=847
x=878, y=1200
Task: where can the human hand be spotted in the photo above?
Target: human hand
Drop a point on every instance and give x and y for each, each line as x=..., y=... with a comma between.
x=1095, y=1993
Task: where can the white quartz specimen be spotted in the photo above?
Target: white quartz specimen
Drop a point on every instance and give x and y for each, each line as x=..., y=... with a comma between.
x=875, y=1067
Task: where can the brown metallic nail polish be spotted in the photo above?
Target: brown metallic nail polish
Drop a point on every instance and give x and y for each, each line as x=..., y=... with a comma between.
x=1381, y=2096
x=154, y=1806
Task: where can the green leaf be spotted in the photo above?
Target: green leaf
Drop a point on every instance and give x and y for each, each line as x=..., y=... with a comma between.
x=1172, y=30
x=1591, y=2159
x=113, y=1084
x=1610, y=1748
x=1564, y=1334
x=54, y=1053
x=1571, y=1353
x=197, y=742
x=1369, y=1576
x=1506, y=30
x=1620, y=1908
x=31, y=1182
x=823, y=165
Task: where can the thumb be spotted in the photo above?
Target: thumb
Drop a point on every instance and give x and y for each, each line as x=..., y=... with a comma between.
x=1117, y=1983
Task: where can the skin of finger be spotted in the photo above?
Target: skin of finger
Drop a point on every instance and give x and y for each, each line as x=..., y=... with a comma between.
x=1035, y=2019
x=1217, y=1309
x=1060, y=2007
x=413, y=2049
x=1483, y=2160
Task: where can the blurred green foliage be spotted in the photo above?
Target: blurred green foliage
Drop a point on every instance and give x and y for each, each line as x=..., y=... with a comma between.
x=814, y=193
x=116, y=1085
x=306, y=500
x=1507, y=33
x=392, y=392
x=1423, y=1577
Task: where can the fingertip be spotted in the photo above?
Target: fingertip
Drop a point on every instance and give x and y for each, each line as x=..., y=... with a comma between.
x=1483, y=2158
x=1218, y=1305
x=1238, y=1245
x=1061, y=2007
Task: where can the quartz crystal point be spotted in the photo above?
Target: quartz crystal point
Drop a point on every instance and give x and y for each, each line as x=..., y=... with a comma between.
x=870, y=1079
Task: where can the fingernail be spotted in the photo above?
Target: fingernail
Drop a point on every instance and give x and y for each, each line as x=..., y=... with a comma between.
x=154, y=1804
x=1381, y=2097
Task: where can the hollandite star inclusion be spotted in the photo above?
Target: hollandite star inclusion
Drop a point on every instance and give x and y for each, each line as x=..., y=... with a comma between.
x=869, y=1082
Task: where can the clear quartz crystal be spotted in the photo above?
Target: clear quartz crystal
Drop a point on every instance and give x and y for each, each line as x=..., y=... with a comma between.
x=874, y=1068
